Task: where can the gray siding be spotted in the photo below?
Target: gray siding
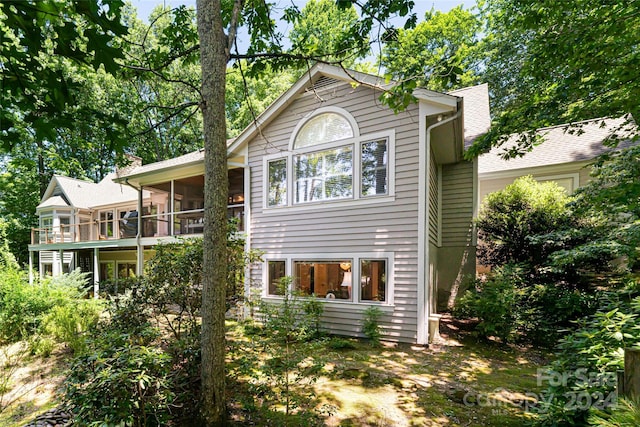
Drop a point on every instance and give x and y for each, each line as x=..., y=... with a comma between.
x=456, y=257
x=457, y=203
x=433, y=201
x=389, y=226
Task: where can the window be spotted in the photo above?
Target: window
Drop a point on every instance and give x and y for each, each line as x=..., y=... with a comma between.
x=335, y=278
x=325, y=127
x=106, y=224
x=277, y=270
x=330, y=161
x=325, y=175
x=278, y=182
x=373, y=280
x=126, y=270
x=107, y=270
x=325, y=279
x=375, y=165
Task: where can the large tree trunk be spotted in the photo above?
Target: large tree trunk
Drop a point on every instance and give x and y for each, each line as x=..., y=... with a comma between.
x=213, y=59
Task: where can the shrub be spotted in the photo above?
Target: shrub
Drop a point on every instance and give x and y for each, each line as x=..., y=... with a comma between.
x=508, y=219
x=512, y=307
x=71, y=323
x=120, y=383
x=23, y=307
x=588, y=358
x=371, y=325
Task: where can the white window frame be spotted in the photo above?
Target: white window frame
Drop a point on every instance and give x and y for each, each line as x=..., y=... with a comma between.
x=357, y=197
x=354, y=258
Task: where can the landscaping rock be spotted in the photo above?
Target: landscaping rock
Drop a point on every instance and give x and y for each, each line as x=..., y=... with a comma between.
x=52, y=418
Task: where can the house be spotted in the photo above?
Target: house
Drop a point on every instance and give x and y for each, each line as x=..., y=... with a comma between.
x=563, y=155
x=362, y=206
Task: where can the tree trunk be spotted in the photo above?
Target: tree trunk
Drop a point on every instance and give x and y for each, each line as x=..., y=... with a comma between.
x=213, y=60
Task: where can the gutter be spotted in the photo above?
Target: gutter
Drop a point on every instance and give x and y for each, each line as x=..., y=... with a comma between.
x=424, y=273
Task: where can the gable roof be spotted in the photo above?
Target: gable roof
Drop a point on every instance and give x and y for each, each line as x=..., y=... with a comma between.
x=84, y=194
x=580, y=142
x=309, y=79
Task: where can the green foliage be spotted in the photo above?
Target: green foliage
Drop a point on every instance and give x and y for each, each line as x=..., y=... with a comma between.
x=336, y=343
x=24, y=307
x=588, y=358
x=72, y=323
x=120, y=382
x=37, y=38
x=510, y=217
x=371, y=325
x=440, y=53
x=282, y=378
x=322, y=30
x=511, y=306
x=625, y=414
x=539, y=75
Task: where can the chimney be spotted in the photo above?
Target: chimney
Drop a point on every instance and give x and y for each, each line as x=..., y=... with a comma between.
x=132, y=161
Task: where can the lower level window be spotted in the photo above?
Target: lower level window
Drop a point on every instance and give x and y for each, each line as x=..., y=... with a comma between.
x=373, y=280
x=325, y=279
x=277, y=271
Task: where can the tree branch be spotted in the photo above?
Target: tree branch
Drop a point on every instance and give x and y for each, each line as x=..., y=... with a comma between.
x=233, y=26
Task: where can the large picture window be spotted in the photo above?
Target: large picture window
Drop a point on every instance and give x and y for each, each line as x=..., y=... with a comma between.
x=324, y=279
x=346, y=278
x=329, y=160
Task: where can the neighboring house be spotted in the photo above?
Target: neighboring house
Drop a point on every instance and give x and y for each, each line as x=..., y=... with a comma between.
x=563, y=156
x=363, y=207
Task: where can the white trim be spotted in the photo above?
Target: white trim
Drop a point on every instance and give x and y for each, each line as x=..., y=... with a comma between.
x=356, y=197
x=328, y=204
x=575, y=179
x=353, y=257
x=319, y=111
x=533, y=170
x=423, y=229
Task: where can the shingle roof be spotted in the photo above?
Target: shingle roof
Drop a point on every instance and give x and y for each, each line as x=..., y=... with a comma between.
x=476, y=113
x=51, y=202
x=561, y=144
x=193, y=157
x=86, y=194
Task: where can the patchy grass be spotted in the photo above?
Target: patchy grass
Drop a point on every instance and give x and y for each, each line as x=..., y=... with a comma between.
x=456, y=382
x=31, y=383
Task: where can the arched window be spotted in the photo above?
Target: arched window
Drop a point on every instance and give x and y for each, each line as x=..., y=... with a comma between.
x=328, y=160
x=323, y=128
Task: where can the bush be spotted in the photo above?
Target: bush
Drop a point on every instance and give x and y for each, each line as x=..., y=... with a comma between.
x=511, y=307
x=371, y=325
x=508, y=219
x=24, y=307
x=588, y=358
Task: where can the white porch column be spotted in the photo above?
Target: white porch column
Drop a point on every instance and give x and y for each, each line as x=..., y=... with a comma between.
x=96, y=272
x=31, y=267
x=61, y=262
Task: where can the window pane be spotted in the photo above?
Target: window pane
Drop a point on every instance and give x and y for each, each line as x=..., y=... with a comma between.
x=278, y=182
x=373, y=280
x=374, y=168
x=325, y=175
x=325, y=279
x=323, y=128
x=276, y=272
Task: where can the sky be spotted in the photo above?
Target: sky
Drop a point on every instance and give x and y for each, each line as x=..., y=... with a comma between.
x=145, y=7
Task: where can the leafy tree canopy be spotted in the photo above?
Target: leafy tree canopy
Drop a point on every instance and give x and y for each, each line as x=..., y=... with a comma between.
x=440, y=53
x=551, y=62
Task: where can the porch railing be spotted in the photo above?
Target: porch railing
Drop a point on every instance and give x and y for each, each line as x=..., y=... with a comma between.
x=155, y=225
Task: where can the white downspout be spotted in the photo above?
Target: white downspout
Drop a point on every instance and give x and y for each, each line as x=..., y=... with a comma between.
x=424, y=274
x=139, y=251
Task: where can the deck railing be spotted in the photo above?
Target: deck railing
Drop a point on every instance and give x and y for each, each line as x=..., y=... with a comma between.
x=155, y=225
